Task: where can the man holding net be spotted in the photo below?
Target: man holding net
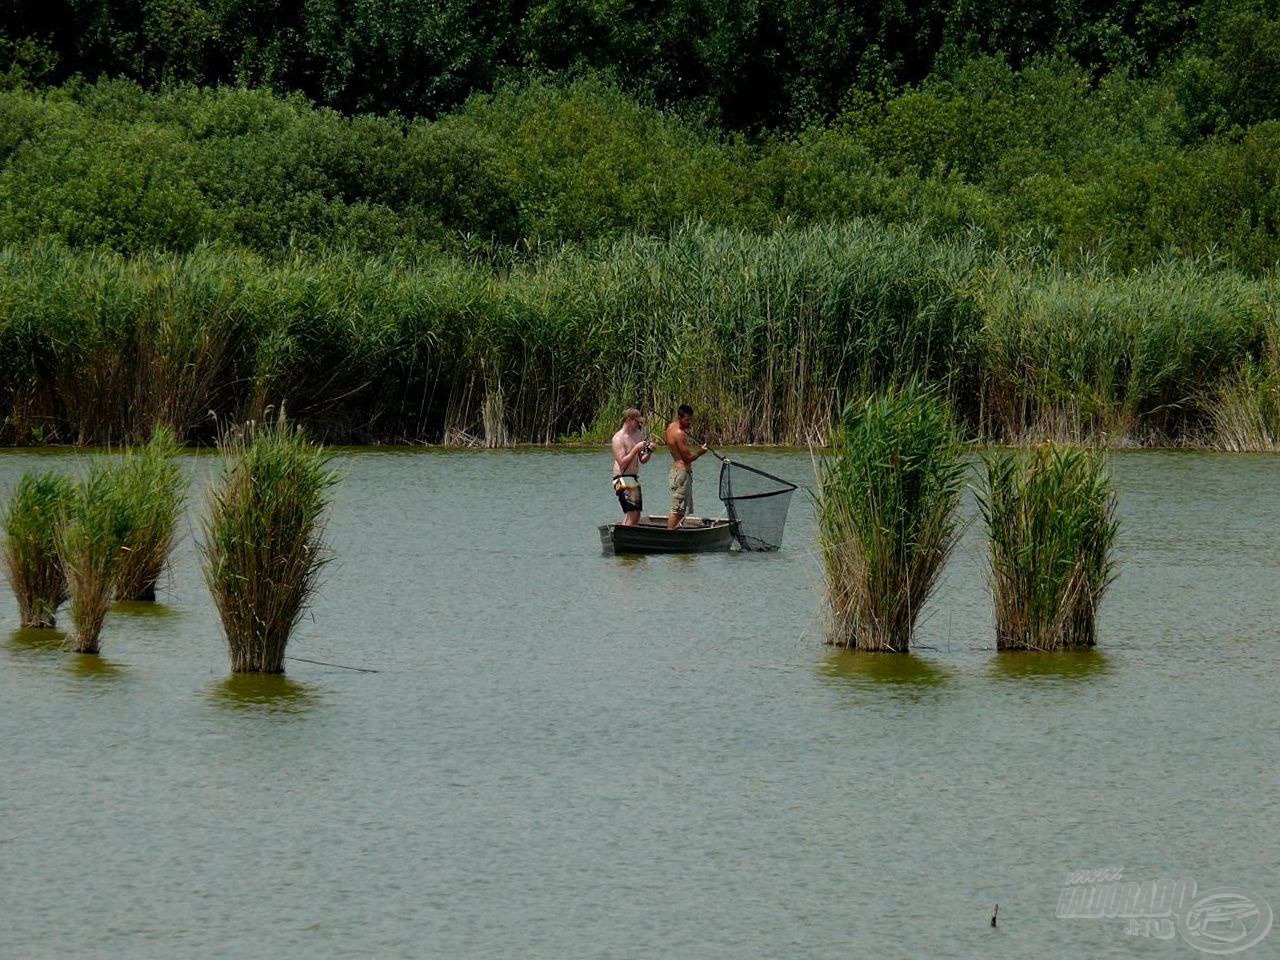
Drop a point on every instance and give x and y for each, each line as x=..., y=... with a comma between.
x=631, y=448
x=680, y=479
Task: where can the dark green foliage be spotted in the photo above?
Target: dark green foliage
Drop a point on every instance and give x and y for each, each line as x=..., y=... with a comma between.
x=1232, y=79
x=770, y=63
x=1064, y=250
x=1043, y=160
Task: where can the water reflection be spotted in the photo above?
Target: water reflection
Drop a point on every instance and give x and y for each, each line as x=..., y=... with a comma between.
x=31, y=640
x=94, y=667
x=1071, y=665
x=269, y=693
x=904, y=671
x=144, y=609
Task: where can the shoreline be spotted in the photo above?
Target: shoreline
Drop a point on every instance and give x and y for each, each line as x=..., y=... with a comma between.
x=580, y=446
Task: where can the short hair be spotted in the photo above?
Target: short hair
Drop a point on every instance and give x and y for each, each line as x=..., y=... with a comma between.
x=685, y=410
x=631, y=412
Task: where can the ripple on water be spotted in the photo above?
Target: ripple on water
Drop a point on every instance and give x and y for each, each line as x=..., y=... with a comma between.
x=572, y=755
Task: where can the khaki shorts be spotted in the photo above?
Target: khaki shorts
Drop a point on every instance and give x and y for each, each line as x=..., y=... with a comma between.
x=680, y=481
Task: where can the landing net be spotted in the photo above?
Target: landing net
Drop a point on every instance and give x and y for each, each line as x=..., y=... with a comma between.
x=757, y=503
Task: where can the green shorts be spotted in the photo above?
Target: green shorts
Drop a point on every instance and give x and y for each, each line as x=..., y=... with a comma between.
x=680, y=481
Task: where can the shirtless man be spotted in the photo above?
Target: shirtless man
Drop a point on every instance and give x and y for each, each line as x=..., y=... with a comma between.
x=630, y=447
x=680, y=480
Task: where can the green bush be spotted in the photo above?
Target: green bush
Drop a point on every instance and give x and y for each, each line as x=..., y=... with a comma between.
x=1046, y=159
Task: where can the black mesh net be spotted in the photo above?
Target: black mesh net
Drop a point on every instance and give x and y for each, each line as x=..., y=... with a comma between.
x=757, y=503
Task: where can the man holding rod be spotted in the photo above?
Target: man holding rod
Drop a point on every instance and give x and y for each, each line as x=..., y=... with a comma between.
x=631, y=448
x=680, y=479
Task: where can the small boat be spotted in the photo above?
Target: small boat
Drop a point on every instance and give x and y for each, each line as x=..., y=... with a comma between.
x=650, y=535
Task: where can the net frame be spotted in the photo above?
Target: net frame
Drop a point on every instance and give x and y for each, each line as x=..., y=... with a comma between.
x=785, y=489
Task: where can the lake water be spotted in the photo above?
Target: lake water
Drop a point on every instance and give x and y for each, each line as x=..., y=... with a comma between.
x=568, y=755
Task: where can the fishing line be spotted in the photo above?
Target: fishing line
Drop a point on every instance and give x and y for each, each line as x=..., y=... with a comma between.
x=340, y=666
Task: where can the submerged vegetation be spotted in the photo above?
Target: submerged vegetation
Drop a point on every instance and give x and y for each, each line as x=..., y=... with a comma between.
x=31, y=519
x=887, y=515
x=1050, y=518
x=263, y=542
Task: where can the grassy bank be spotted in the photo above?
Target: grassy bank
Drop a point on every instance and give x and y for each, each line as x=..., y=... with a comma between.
x=767, y=335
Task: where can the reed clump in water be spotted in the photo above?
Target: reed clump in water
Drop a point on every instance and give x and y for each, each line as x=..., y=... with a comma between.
x=887, y=514
x=90, y=539
x=153, y=490
x=1050, y=518
x=263, y=539
x=30, y=552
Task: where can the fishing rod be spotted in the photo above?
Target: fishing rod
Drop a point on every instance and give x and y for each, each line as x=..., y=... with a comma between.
x=695, y=439
x=326, y=663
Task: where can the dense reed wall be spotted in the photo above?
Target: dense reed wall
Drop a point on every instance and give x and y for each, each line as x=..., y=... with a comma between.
x=766, y=335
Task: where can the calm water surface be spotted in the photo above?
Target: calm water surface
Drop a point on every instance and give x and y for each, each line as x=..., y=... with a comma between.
x=568, y=755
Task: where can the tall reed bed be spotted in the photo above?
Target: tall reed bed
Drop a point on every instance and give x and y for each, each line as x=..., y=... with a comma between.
x=1050, y=518
x=1088, y=356
x=90, y=540
x=1245, y=408
x=767, y=335
x=887, y=514
x=31, y=519
x=153, y=490
x=263, y=539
